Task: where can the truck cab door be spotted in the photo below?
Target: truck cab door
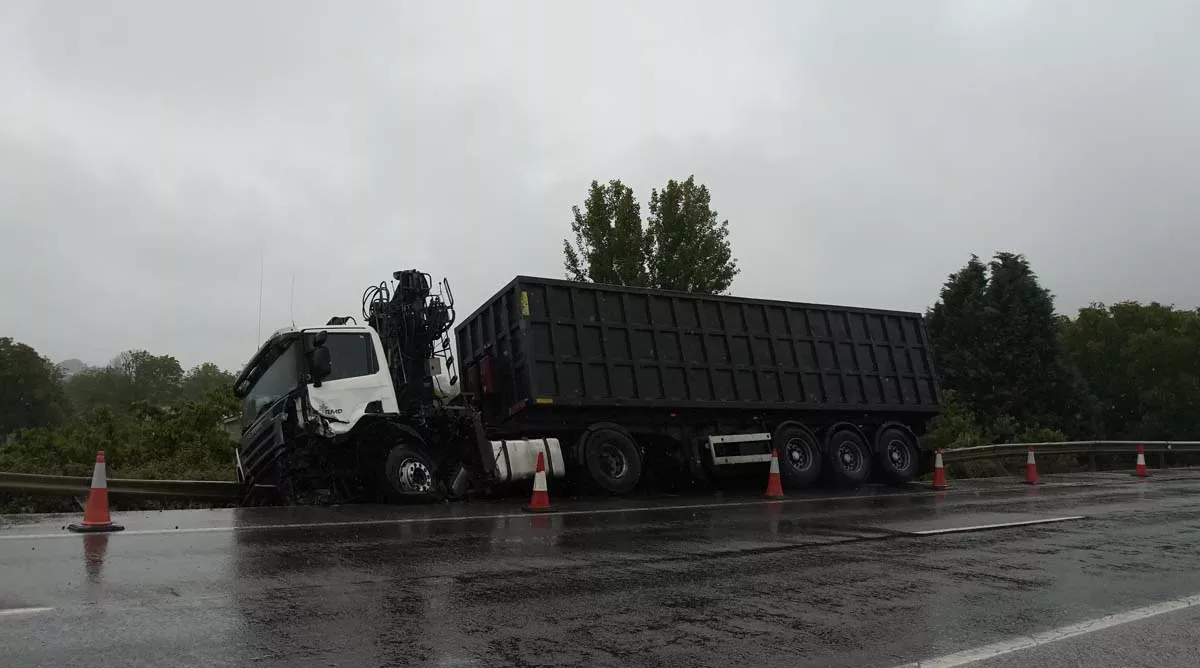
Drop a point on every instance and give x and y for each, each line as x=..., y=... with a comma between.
x=357, y=382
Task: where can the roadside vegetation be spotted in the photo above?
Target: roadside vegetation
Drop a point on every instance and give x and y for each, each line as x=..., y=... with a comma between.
x=1012, y=368
x=151, y=418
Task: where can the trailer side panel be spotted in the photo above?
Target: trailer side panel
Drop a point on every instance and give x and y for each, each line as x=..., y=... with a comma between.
x=552, y=343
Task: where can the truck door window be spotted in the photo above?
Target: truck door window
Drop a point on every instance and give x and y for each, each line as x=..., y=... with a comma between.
x=351, y=355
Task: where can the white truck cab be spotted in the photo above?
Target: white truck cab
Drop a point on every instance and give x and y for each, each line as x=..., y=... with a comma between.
x=358, y=381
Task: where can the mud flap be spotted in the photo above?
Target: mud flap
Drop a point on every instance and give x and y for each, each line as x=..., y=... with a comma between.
x=487, y=463
x=695, y=463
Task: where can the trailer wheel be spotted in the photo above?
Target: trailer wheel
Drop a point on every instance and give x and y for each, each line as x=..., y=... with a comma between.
x=849, y=458
x=896, y=452
x=410, y=472
x=799, y=455
x=612, y=460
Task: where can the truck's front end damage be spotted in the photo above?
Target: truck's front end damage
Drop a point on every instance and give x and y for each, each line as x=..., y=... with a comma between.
x=362, y=412
x=321, y=424
x=287, y=443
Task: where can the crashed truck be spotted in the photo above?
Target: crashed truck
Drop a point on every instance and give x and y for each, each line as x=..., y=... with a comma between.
x=612, y=385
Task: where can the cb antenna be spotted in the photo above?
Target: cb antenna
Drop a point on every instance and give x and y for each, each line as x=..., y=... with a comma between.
x=260, y=293
x=292, y=300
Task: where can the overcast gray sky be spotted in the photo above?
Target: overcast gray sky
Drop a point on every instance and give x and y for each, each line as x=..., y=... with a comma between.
x=151, y=151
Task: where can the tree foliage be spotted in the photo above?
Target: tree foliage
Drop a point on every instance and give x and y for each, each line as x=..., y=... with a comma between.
x=1142, y=361
x=957, y=330
x=998, y=345
x=151, y=419
x=690, y=243
x=610, y=245
x=31, y=391
x=182, y=440
x=683, y=245
x=138, y=376
x=204, y=380
x=1035, y=381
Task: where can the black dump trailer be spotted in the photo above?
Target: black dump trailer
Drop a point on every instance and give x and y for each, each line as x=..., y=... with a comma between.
x=629, y=379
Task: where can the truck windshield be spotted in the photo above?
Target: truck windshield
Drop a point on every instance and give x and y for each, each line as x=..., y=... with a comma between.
x=282, y=375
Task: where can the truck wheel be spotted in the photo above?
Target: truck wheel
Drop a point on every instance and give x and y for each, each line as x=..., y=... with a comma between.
x=410, y=472
x=849, y=458
x=612, y=460
x=799, y=455
x=897, y=455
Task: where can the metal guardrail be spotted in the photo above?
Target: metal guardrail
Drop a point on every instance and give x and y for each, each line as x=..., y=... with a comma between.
x=953, y=455
x=33, y=483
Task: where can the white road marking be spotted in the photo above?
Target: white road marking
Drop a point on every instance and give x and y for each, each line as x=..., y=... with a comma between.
x=1053, y=635
x=1001, y=525
x=22, y=611
x=464, y=518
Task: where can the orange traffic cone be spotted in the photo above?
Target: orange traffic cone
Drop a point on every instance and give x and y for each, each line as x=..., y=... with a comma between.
x=539, y=502
x=1141, y=471
x=939, y=472
x=1031, y=476
x=774, y=485
x=95, y=514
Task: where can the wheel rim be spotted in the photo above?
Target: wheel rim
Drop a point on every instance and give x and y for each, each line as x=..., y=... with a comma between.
x=899, y=455
x=413, y=475
x=798, y=454
x=850, y=456
x=612, y=461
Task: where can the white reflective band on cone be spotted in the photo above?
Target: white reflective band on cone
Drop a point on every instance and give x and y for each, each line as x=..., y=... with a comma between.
x=539, y=481
x=1029, y=459
x=98, y=479
x=937, y=460
x=774, y=464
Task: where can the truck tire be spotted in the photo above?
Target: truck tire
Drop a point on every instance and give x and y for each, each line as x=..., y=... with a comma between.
x=849, y=458
x=896, y=453
x=410, y=471
x=612, y=460
x=799, y=455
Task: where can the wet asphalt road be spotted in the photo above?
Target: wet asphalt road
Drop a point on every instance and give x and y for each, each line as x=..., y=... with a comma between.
x=714, y=581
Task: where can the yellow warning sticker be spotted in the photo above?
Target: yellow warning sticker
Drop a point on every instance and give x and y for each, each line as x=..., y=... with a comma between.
x=525, y=303
x=543, y=400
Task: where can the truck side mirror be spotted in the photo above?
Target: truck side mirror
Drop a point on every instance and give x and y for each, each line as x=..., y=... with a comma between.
x=319, y=364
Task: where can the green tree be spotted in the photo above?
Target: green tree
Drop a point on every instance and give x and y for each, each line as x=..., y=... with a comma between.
x=133, y=376
x=204, y=380
x=610, y=245
x=152, y=378
x=956, y=327
x=1034, y=380
x=690, y=243
x=999, y=346
x=1143, y=363
x=31, y=390
x=956, y=426
x=94, y=387
x=151, y=419
x=683, y=245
